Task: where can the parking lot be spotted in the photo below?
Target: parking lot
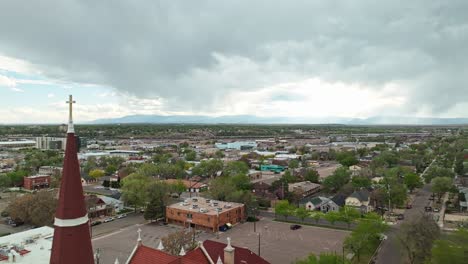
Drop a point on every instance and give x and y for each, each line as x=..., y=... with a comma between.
x=280, y=245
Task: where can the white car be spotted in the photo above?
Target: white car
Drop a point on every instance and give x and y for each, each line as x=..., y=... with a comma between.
x=121, y=216
x=110, y=219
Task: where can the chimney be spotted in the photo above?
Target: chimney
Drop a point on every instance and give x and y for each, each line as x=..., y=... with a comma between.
x=229, y=253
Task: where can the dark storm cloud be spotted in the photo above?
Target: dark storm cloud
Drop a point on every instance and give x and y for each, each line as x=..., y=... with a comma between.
x=197, y=51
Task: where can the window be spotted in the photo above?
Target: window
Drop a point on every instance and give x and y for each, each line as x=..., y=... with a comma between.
x=189, y=216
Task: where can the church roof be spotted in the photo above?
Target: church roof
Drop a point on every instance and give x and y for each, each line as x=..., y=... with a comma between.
x=215, y=250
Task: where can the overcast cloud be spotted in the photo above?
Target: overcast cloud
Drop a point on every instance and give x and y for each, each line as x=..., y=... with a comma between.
x=197, y=55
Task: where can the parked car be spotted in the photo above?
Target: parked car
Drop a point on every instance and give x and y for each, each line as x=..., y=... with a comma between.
x=428, y=209
x=295, y=227
x=121, y=216
x=400, y=217
x=436, y=209
x=109, y=219
x=409, y=206
x=95, y=223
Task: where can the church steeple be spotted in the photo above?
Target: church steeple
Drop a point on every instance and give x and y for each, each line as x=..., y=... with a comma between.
x=72, y=240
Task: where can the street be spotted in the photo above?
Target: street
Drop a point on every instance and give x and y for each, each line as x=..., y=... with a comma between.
x=390, y=252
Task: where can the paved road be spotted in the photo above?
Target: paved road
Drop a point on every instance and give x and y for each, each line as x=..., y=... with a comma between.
x=117, y=224
x=391, y=253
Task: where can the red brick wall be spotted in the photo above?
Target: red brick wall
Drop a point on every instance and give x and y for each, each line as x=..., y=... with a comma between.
x=29, y=183
x=232, y=216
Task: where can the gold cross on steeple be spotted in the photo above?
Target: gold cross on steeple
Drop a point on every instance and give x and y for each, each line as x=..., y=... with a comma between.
x=70, y=102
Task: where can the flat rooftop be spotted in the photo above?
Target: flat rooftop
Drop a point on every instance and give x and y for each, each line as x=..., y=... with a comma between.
x=37, y=176
x=30, y=246
x=204, y=205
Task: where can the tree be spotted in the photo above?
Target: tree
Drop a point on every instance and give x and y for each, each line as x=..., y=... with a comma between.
x=312, y=176
x=441, y=185
x=208, y=168
x=35, y=209
x=301, y=213
x=451, y=249
x=293, y=164
x=437, y=171
x=133, y=189
x=110, y=169
x=361, y=182
x=190, y=155
x=339, y=178
x=347, y=158
x=332, y=217
x=158, y=197
x=365, y=237
x=317, y=216
x=174, y=242
x=96, y=174
x=348, y=215
x=412, y=181
x=283, y=208
x=324, y=258
x=289, y=177
x=236, y=168
x=417, y=236
x=178, y=187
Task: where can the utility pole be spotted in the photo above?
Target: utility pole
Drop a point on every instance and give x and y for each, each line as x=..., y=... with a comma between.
x=259, y=243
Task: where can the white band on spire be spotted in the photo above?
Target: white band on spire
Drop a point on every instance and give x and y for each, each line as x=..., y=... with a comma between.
x=70, y=102
x=71, y=222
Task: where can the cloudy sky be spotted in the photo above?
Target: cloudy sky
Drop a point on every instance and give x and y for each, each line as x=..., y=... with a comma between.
x=266, y=58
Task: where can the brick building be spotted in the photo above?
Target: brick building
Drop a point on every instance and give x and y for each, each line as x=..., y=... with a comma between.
x=36, y=182
x=206, y=214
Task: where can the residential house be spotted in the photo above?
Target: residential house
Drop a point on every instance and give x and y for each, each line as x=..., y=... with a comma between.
x=314, y=203
x=334, y=204
x=360, y=199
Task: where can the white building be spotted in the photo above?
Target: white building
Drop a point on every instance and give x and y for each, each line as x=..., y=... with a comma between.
x=30, y=246
x=46, y=143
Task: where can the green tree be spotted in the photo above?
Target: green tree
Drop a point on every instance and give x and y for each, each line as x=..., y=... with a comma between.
x=347, y=158
x=437, y=171
x=452, y=248
x=340, y=177
x=110, y=169
x=412, y=181
x=236, y=168
x=190, y=155
x=293, y=164
x=317, y=216
x=284, y=209
x=348, y=215
x=133, y=189
x=361, y=182
x=35, y=209
x=289, y=177
x=365, y=238
x=332, y=217
x=441, y=185
x=312, y=176
x=157, y=195
x=301, y=213
x=417, y=236
x=178, y=187
x=208, y=168
x=96, y=173
x=324, y=258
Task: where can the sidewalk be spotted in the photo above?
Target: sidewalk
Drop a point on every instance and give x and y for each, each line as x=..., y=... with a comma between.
x=440, y=222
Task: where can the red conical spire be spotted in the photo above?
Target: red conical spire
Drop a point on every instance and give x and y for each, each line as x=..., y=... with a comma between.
x=72, y=240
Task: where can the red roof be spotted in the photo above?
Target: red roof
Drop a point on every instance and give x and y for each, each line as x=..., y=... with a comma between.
x=241, y=255
x=147, y=255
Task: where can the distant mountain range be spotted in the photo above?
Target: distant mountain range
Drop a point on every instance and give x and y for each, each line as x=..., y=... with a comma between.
x=250, y=119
